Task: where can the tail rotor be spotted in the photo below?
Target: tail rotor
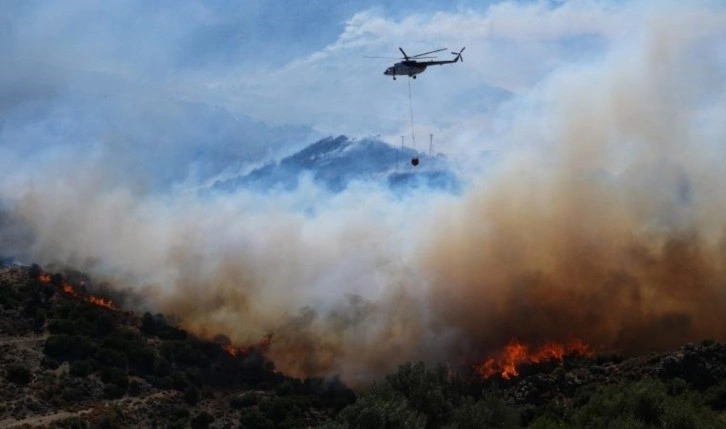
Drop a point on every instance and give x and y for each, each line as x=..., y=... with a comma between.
x=458, y=54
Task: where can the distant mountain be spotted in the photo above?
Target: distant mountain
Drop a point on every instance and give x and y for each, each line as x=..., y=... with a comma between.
x=159, y=141
x=336, y=162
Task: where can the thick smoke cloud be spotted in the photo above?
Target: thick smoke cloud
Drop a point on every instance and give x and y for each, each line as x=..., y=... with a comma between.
x=602, y=220
x=609, y=227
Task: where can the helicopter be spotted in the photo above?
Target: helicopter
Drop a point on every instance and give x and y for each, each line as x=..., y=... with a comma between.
x=411, y=66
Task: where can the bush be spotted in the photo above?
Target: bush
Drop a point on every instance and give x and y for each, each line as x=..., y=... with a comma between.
x=117, y=376
x=716, y=396
x=381, y=410
x=70, y=347
x=49, y=363
x=680, y=414
x=72, y=423
x=280, y=409
x=244, y=400
x=648, y=406
x=110, y=357
x=202, y=420
x=18, y=374
x=179, y=381
x=489, y=412
x=191, y=395
x=134, y=388
x=143, y=359
x=113, y=391
x=253, y=418
x=81, y=368
x=427, y=390
x=148, y=324
x=35, y=271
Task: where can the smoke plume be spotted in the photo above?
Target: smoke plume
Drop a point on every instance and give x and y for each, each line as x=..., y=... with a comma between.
x=603, y=220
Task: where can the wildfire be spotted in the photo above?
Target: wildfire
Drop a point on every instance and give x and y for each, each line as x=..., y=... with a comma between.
x=262, y=345
x=100, y=302
x=516, y=353
x=67, y=288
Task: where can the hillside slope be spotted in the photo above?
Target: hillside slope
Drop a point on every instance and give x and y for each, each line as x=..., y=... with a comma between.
x=72, y=359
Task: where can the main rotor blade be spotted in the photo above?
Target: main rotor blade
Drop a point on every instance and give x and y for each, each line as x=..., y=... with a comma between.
x=430, y=52
x=404, y=54
x=389, y=58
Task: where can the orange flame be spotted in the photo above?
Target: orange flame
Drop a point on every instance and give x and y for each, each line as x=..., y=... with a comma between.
x=107, y=303
x=516, y=353
x=261, y=345
x=67, y=288
x=231, y=350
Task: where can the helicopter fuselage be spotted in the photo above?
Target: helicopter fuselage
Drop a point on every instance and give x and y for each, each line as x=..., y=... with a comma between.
x=405, y=68
x=411, y=67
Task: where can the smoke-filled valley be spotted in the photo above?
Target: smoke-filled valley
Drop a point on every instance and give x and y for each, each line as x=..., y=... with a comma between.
x=595, y=213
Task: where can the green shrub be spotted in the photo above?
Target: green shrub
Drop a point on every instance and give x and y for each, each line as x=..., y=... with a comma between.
x=648, y=404
x=72, y=423
x=682, y=414
x=49, y=363
x=244, y=400
x=18, y=374
x=113, y=375
x=202, y=420
x=191, y=395
x=143, y=359
x=179, y=381
x=113, y=391
x=279, y=409
x=427, y=390
x=110, y=357
x=134, y=387
x=35, y=271
x=148, y=324
x=377, y=411
x=716, y=396
x=253, y=418
x=70, y=347
x=81, y=368
x=489, y=412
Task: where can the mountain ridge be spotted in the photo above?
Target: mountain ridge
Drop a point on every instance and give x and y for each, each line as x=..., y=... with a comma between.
x=336, y=162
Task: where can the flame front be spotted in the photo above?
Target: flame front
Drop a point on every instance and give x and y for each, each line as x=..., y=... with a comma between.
x=516, y=353
x=261, y=345
x=67, y=288
x=100, y=302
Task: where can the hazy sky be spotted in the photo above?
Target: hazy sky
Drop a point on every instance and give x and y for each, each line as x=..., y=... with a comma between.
x=302, y=62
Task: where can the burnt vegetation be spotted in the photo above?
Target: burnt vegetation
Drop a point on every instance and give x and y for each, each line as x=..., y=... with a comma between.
x=109, y=368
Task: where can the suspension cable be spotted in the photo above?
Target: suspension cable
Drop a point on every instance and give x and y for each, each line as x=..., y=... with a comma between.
x=410, y=110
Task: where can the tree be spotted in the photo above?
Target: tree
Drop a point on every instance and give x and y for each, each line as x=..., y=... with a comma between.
x=35, y=271
x=148, y=324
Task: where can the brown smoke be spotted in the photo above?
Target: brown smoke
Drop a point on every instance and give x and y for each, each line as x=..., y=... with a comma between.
x=603, y=221
x=615, y=232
